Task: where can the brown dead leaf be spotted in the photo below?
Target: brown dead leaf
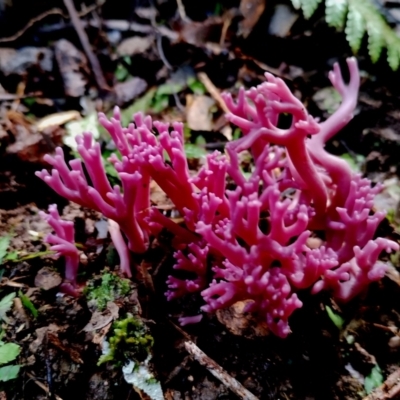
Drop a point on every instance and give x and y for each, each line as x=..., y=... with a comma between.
x=159, y=198
x=40, y=335
x=198, y=33
x=282, y=20
x=130, y=89
x=199, y=117
x=18, y=61
x=100, y=319
x=71, y=63
x=251, y=11
x=240, y=323
x=55, y=341
x=135, y=45
x=30, y=146
x=392, y=273
x=98, y=337
x=57, y=119
x=47, y=279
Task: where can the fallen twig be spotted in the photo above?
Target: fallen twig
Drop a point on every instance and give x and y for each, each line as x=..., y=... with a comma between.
x=10, y=96
x=42, y=385
x=214, y=92
x=76, y=22
x=53, y=11
x=182, y=11
x=215, y=369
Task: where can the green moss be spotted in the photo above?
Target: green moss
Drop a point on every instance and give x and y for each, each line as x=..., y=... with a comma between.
x=110, y=288
x=129, y=340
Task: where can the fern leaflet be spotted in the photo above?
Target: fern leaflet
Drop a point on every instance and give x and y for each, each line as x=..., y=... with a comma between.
x=357, y=17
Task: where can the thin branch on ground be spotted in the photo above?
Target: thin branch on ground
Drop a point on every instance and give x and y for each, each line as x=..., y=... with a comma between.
x=216, y=370
x=212, y=89
x=94, y=61
x=182, y=11
x=53, y=11
x=42, y=385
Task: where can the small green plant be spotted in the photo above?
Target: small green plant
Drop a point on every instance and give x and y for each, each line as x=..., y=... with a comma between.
x=374, y=379
x=110, y=288
x=337, y=320
x=129, y=340
x=5, y=306
x=5, y=255
x=357, y=17
x=26, y=302
x=8, y=351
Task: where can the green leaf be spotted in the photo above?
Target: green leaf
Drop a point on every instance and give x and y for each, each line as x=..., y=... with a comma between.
x=142, y=104
x=9, y=352
x=9, y=372
x=335, y=11
x=5, y=305
x=194, y=151
x=160, y=103
x=393, y=56
x=75, y=128
x=4, y=243
x=362, y=17
x=196, y=86
x=373, y=380
x=309, y=7
x=11, y=256
x=28, y=304
x=335, y=318
x=375, y=41
x=169, y=88
x=355, y=28
x=296, y=4
x=121, y=73
x=355, y=161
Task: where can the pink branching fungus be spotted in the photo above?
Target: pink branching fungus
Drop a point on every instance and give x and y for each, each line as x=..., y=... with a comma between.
x=256, y=237
x=63, y=243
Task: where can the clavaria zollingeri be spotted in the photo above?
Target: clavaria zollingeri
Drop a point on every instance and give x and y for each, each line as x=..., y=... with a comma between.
x=302, y=219
x=63, y=243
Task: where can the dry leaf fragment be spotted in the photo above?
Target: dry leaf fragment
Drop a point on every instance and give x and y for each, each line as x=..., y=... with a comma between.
x=199, y=117
x=130, y=89
x=47, y=279
x=74, y=354
x=251, y=11
x=240, y=323
x=100, y=319
x=71, y=63
x=57, y=119
x=135, y=45
x=18, y=61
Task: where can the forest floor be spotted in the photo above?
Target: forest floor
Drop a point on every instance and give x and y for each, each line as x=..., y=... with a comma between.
x=172, y=64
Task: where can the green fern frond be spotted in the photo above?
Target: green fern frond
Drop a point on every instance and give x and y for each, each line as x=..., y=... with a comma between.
x=296, y=4
x=355, y=27
x=336, y=12
x=308, y=6
x=357, y=17
x=376, y=42
x=394, y=55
